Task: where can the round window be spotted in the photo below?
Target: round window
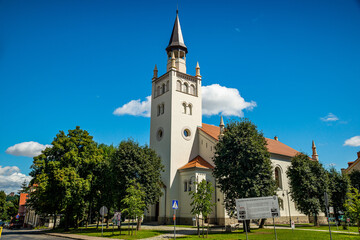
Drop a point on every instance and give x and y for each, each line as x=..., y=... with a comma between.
x=160, y=134
x=186, y=133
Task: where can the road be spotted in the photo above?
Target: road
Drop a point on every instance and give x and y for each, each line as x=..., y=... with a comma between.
x=26, y=235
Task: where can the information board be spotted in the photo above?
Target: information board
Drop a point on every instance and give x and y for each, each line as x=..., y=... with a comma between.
x=257, y=208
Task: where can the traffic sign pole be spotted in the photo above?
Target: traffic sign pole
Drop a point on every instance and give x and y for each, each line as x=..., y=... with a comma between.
x=175, y=205
x=174, y=223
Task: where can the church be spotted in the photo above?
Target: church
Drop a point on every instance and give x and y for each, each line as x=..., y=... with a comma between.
x=186, y=145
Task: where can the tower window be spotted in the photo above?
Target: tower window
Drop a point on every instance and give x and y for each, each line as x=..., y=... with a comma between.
x=192, y=89
x=184, y=106
x=187, y=133
x=178, y=85
x=158, y=110
x=190, y=109
x=186, y=88
x=185, y=186
x=162, y=108
x=159, y=134
x=158, y=91
x=167, y=86
x=163, y=88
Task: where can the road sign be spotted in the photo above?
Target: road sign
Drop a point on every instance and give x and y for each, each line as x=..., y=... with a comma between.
x=103, y=211
x=256, y=208
x=331, y=210
x=175, y=204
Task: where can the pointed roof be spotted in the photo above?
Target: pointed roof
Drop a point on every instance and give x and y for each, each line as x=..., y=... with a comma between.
x=176, y=39
x=197, y=162
x=273, y=146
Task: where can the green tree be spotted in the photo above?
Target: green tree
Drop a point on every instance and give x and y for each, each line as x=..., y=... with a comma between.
x=134, y=202
x=355, y=179
x=338, y=187
x=352, y=205
x=242, y=154
x=3, y=212
x=63, y=175
x=24, y=187
x=202, y=202
x=308, y=182
x=133, y=162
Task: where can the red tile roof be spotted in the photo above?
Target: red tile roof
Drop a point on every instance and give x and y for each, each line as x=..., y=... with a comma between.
x=273, y=146
x=197, y=162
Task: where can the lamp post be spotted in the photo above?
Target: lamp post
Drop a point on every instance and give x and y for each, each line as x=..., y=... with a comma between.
x=288, y=200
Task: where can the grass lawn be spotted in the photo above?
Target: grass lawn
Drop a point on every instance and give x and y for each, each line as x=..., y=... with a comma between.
x=322, y=227
x=92, y=231
x=282, y=234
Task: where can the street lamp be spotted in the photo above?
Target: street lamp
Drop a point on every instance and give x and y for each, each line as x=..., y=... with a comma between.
x=288, y=200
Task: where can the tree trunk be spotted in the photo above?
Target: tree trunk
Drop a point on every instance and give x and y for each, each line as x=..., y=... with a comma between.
x=202, y=225
x=54, y=221
x=316, y=221
x=107, y=221
x=198, y=224
x=262, y=223
x=207, y=231
x=138, y=225
x=97, y=222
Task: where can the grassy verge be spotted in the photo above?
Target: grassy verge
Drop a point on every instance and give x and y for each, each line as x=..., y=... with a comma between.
x=110, y=233
x=322, y=227
x=282, y=234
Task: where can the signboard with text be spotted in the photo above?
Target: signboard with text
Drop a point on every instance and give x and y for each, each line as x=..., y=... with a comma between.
x=256, y=208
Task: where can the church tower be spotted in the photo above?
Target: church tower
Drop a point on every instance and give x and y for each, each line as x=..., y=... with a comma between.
x=175, y=118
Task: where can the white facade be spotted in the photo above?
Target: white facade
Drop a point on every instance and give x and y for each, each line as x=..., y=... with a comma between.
x=178, y=136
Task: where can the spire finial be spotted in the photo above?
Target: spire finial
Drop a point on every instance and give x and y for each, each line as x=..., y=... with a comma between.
x=176, y=40
x=155, y=72
x=222, y=127
x=315, y=156
x=197, y=70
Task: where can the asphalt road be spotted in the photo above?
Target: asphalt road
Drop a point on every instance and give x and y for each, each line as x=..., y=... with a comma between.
x=26, y=235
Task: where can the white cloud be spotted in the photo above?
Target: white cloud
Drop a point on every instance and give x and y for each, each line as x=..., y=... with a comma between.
x=353, y=142
x=135, y=108
x=11, y=179
x=329, y=118
x=27, y=149
x=216, y=100
x=225, y=101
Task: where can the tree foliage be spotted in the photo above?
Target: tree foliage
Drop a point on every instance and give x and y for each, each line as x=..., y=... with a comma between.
x=3, y=211
x=352, y=205
x=63, y=174
x=134, y=201
x=202, y=203
x=133, y=162
x=355, y=179
x=338, y=187
x=242, y=164
x=308, y=182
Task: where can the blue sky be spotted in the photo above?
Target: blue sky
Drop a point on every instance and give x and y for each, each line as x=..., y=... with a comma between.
x=69, y=63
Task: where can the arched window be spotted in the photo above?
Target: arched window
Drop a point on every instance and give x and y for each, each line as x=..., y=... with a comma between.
x=178, y=85
x=167, y=86
x=158, y=91
x=189, y=185
x=278, y=177
x=185, y=186
x=192, y=89
x=184, y=106
x=158, y=110
x=190, y=109
x=163, y=88
x=186, y=88
x=162, y=108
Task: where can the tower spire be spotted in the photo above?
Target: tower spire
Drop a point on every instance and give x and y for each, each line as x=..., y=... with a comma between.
x=315, y=156
x=176, y=39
